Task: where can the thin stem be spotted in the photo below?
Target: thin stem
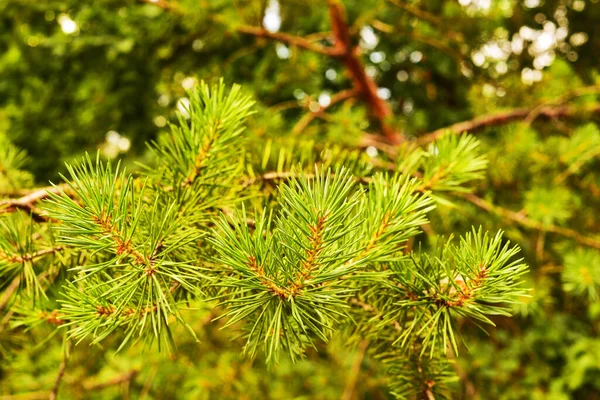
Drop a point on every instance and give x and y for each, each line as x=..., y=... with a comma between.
x=27, y=202
x=528, y=222
x=506, y=117
x=292, y=40
x=126, y=377
x=61, y=371
x=355, y=371
x=10, y=290
x=21, y=258
x=309, y=117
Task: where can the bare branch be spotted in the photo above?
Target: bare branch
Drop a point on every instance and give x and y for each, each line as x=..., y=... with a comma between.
x=528, y=222
x=27, y=202
x=417, y=12
x=355, y=371
x=61, y=370
x=289, y=39
x=160, y=3
x=350, y=56
x=309, y=117
x=506, y=117
x=10, y=290
x=126, y=377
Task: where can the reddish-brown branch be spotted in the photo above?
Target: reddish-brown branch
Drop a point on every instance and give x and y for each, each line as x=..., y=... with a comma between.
x=27, y=202
x=350, y=57
x=528, y=222
x=289, y=39
x=506, y=117
x=309, y=117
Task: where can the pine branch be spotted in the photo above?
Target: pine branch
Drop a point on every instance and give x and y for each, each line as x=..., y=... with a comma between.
x=117, y=380
x=292, y=40
x=528, y=222
x=61, y=370
x=21, y=258
x=310, y=116
x=200, y=162
x=506, y=117
x=27, y=203
x=470, y=279
x=350, y=57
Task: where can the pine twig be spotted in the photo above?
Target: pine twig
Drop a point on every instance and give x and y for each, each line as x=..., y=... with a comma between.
x=350, y=57
x=126, y=377
x=21, y=258
x=528, y=222
x=61, y=371
x=355, y=371
x=309, y=117
x=506, y=117
x=27, y=202
x=292, y=40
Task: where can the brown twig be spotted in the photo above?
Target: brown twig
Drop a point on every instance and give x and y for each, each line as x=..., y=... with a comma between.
x=21, y=258
x=506, y=117
x=61, y=371
x=417, y=37
x=528, y=222
x=27, y=202
x=292, y=40
x=579, y=92
x=417, y=12
x=160, y=3
x=462, y=374
x=355, y=371
x=309, y=117
x=126, y=377
x=272, y=176
x=10, y=290
x=350, y=57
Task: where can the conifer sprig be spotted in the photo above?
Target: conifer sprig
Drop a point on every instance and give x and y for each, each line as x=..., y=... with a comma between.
x=200, y=160
x=392, y=212
x=136, y=249
x=471, y=279
x=286, y=275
